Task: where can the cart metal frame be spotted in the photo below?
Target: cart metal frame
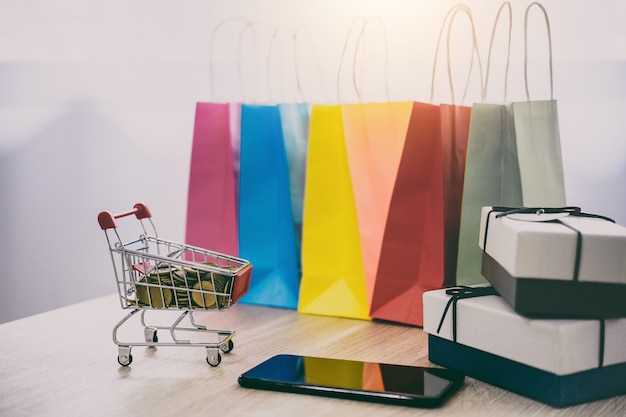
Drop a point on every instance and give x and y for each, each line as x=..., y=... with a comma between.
x=162, y=275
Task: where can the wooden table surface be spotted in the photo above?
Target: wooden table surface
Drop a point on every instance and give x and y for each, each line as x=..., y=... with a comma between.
x=64, y=363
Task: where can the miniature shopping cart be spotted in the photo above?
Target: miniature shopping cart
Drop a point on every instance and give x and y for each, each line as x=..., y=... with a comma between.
x=157, y=274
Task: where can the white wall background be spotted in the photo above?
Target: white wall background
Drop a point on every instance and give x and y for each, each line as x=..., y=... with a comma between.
x=97, y=102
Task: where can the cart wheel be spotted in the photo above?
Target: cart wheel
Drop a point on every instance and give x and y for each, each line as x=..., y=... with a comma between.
x=214, y=359
x=125, y=360
x=226, y=348
x=150, y=335
x=124, y=357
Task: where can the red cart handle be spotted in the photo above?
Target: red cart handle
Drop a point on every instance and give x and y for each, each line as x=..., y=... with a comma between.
x=107, y=220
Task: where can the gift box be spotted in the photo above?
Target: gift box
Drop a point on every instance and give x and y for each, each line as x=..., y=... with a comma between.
x=555, y=263
x=560, y=362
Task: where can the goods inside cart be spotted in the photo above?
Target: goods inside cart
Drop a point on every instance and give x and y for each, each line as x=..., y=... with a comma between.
x=157, y=274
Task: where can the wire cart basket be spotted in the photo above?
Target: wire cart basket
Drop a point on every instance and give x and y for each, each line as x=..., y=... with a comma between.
x=157, y=274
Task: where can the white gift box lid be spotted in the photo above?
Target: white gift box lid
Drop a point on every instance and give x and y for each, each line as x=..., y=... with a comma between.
x=561, y=347
x=528, y=246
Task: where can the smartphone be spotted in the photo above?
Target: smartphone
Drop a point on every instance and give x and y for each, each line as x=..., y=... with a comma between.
x=365, y=381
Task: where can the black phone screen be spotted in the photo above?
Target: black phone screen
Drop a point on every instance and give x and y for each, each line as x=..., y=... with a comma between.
x=368, y=381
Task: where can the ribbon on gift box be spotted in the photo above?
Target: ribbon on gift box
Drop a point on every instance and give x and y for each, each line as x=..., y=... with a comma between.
x=459, y=293
x=463, y=292
x=539, y=211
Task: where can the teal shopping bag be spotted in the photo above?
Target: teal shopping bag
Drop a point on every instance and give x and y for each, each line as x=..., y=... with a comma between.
x=266, y=225
x=295, y=124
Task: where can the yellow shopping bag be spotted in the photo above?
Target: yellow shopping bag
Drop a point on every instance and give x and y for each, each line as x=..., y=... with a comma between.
x=333, y=278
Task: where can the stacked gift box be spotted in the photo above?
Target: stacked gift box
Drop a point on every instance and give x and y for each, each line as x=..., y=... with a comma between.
x=551, y=323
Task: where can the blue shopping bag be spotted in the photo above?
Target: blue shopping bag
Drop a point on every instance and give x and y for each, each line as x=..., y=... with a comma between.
x=266, y=221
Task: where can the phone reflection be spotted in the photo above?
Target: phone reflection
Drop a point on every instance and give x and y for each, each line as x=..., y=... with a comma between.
x=356, y=375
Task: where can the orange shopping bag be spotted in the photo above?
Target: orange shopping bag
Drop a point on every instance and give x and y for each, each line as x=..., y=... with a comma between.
x=375, y=135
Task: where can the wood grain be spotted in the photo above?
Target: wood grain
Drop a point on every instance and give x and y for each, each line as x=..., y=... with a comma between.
x=64, y=363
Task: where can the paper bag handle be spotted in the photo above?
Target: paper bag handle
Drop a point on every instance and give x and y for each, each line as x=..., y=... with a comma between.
x=450, y=19
x=508, y=55
x=545, y=15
